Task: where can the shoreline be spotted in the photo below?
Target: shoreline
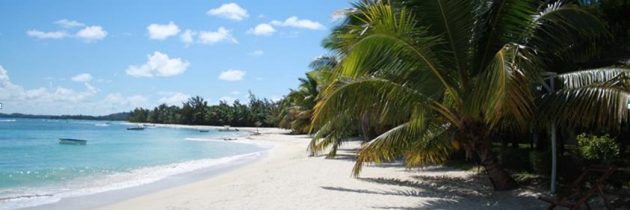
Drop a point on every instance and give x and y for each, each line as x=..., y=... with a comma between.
x=287, y=178
x=175, y=174
x=108, y=197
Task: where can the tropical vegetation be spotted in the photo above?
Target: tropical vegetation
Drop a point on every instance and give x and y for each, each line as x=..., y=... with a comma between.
x=422, y=79
x=429, y=81
x=196, y=111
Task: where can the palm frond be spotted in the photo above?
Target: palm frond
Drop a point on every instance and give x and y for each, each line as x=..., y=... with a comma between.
x=503, y=89
x=333, y=134
x=392, y=40
x=452, y=20
x=599, y=105
x=383, y=98
x=420, y=143
x=592, y=76
x=565, y=32
x=496, y=24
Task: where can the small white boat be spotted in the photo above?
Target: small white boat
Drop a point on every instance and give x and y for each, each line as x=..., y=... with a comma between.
x=227, y=128
x=72, y=141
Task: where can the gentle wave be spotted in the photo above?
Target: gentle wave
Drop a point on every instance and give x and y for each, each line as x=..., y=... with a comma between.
x=92, y=185
x=233, y=139
x=7, y=120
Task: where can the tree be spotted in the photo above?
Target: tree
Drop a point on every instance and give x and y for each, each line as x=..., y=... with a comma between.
x=446, y=73
x=300, y=102
x=139, y=115
x=196, y=111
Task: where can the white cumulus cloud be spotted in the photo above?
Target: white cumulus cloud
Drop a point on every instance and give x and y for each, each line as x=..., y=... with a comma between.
x=262, y=29
x=159, y=65
x=188, y=36
x=232, y=75
x=84, y=77
x=211, y=37
x=295, y=22
x=20, y=99
x=92, y=33
x=65, y=23
x=230, y=11
x=174, y=98
x=47, y=35
x=161, y=32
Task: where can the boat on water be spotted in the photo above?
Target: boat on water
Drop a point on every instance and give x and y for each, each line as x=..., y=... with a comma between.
x=135, y=128
x=72, y=141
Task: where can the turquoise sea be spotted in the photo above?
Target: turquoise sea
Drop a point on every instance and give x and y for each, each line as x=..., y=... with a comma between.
x=35, y=169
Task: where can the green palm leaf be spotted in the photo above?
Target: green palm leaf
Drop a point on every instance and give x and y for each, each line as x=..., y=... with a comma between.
x=561, y=31
x=393, y=41
x=453, y=20
x=420, y=143
x=593, y=76
x=503, y=89
x=333, y=134
x=383, y=98
x=594, y=105
x=498, y=23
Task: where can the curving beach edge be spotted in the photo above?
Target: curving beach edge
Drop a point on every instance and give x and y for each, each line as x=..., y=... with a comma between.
x=287, y=178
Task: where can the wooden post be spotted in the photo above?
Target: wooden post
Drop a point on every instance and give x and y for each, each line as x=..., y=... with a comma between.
x=554, y=159
x=554, y=150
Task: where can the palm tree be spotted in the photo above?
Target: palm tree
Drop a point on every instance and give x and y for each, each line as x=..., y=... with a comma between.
x=446, y=73
x=301, y=101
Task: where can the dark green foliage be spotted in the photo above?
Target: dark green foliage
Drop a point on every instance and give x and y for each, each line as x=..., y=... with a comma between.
x=196, y=111
x=600, y=148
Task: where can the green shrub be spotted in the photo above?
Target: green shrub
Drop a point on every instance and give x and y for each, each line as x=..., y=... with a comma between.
x=599, y=148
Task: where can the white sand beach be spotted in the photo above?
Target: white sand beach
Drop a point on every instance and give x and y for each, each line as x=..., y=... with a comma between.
x=289, y=179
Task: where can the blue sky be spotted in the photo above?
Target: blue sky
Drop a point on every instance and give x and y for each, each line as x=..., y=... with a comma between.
x=104, y=56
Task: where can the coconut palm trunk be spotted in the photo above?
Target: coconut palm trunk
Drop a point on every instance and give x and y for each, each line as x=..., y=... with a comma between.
x=476, y=136
x=500, y=179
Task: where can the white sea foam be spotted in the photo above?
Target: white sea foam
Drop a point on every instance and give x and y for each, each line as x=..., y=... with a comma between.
x=233, y=139
x=28, y=197
x=7, y=120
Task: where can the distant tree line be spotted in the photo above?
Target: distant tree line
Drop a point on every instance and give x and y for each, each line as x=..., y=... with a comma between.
x=112, y=117
x=196, y=111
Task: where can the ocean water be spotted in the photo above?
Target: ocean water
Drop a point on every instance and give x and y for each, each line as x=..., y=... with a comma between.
x=35, y=169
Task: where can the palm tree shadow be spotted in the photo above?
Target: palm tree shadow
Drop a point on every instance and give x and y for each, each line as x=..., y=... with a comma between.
x=398, y=192
x=449, y=193
x=351, y=155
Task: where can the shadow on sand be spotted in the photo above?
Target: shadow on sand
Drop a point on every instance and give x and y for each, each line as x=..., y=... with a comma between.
x=443, y=192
